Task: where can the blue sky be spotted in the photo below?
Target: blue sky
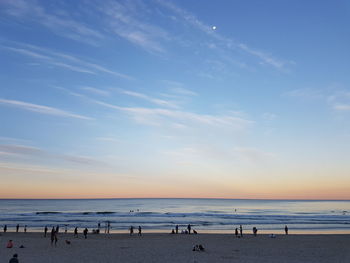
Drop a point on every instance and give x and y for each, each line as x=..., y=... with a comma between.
x=233, y=99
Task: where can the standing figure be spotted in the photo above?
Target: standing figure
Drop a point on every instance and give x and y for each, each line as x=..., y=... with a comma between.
x=241, y=230
x=108, y=226
x=140, y=230
x=255, y=231
x=5, y=228
x=177, y=229
x=45, y=231
x=17, y=228
x=57, y=228
x=75, y=232
x=85, y=232
x=286, y=230
x=236, y=232
x=131, y=230
x=25, y=229
x=189, y=228
x=52, y=235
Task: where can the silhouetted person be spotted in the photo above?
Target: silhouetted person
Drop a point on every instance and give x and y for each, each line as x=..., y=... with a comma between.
x=241, y=230
x=14, y=259
x=65, y=229
x=255, y=231
x=189, y=228
x=25, y=229
x=140, y=231
x=17, y=228
x=57, y=229
x=52, y=235
x=75, y=232
x=131, y=230
x=45, y=231
x=85, y=232
x=5, y=228
x=98, y=227
x=286, y=229
x=172, y=231
x=108, y=226
x=236, y=232
x=177, y=229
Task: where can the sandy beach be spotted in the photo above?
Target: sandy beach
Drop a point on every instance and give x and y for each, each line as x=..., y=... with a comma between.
x=176, y=248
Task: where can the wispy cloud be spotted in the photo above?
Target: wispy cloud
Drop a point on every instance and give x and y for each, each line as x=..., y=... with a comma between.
x=16, y=150
x=60, y=23
x=160, y=116
x=42, y=109
x=153, y=100
x=178, y=88
x=96, y=91
x=124, y=20
x=62, y=60
x=223, y=41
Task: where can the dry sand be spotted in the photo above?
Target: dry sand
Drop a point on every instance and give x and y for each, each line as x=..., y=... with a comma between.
x=177, y=248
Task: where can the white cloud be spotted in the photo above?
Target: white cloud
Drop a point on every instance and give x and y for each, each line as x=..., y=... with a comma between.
x=153, y=100
x=225, y=42
x=59, y=23
x=63, y=60
x=42, y=109
x=96, y=91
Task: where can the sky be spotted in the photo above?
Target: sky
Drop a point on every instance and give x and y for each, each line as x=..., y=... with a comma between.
x=158, y=98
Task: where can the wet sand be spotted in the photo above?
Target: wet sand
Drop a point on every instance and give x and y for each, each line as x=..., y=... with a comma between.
x=163, y=248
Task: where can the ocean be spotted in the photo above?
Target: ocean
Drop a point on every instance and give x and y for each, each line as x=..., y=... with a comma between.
x=161, y=215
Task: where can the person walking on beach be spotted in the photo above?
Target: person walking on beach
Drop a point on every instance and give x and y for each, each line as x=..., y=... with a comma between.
x=236, y=232
x=131, y=230
x=286, y=230
x=85, y=232
x=45, y=231
x=241, y=230
x=189, y=228
x=140, y=231
x=75, y=232
x=177, y=229
x=5, y=228
x=14, y=259
x=17, y=228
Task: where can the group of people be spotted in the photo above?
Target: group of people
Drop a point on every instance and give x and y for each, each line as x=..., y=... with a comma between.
x=131, y=230
x=184, y=231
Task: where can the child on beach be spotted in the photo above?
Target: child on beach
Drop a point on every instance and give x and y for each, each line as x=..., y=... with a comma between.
x=9, y=244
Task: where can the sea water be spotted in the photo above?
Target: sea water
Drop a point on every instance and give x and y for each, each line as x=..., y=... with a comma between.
x=205, y=215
